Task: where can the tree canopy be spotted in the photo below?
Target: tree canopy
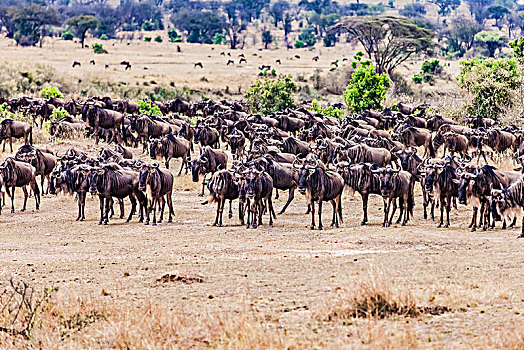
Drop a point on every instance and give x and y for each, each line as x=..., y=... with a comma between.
x=30, y=21
x=387, y=40
x=79, y=25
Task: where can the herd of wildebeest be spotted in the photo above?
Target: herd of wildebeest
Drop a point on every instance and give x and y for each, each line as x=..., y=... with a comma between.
x=373, y=152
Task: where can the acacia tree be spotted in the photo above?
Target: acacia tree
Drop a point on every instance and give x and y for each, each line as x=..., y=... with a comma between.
x=277, y=10
x=31, y=21
x=79, y=25
x=388, y=41
x=491, y=41
x=445, y=6
x=267, y=38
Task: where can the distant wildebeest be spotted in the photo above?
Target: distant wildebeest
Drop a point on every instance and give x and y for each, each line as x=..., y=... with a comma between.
x=199, y=64
x=92, y=62
x=76, y=64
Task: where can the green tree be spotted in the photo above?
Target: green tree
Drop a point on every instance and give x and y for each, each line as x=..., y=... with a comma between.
x=498, y=13
x=79, y=25
x=388, y=41
x=491, y=41
x=68, y=36
x=319, y=6
x=50, y=92
x=445, y=6
x=200, y=26
x=253, y=8
x=277, y=11
x=271, y=95
x=463, y=31
x=413, y=10
x=31, y=21
x=308, y=37
x=172, y=34
x=366, y=89
x=518, y=49
x=479, y=9
x=267, y=38
x=491, y=83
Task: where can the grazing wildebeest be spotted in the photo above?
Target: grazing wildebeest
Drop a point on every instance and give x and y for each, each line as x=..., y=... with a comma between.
x=76, y=63
x=395, y=184
x=199, y=64
x=12, y=128
x=111, y=180
x=222, y=186
x=210, y=160
x=157, y=183
x=43, y=162
x=66, y=129
x=98, y=117
x=320, y=185
x=434, y=123
x=19, y=174
x=170, y=147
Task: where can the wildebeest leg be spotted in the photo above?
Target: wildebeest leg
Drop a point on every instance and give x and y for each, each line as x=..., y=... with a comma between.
x=334, y=219
x=97, y=138
x=473, y=223
x=320, y=227
x=522, y=232
x=514, y=222
x=216, y=223
x=203, y=185
x=312, y=207
x=448, y=209
x=169, y=198
x=36, y=191
x=394, y=200
x=101, y=209
x=163, y=206
x=404, y=208
x=81, y=204
x=149, y=205
x=26, y=195
x=339, y=208
x=365, y=197
x=11, y=144
x=271, y=211
x=109, y=204
x=442, y=204
x=155, y=205
x=276, y=195
x=121, y=203
x=12, y=198
x=289, y=199
x=132, y=198
x=230, y=210
x=184, y=162
x=241, y=213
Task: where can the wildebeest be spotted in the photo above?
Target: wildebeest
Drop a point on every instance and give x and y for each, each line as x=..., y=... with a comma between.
x=157, y=183
x=170, y=147
x=210, y=160
x=412, y=136
x=71, y=180
x=43, y=162
x=148, y=128
x=439, y=179
x=294, y=146
x=222, y=186
x=364, y=154
x=19, y=174
x=98, y=117
x=236, y=141
x=395, y=184
x=66, y=129
x=207, y=136
x=111, y=180
x=508, y=202
x=320, y=185
x=257, y=187
x=10, y=129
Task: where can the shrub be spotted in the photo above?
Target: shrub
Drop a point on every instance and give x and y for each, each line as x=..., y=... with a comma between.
x=299, y=44
x=149, y=107
x=219, y=39
x=50, y=92
x=68, y=36
x=366, y=89
x=328, y=111
x=98, y=48
x=518, y=48
x=172, y=34
x=148, y=26
x=59, y=113
x=271, y=95
x=308, y=37
x=147, y=39
x=158, y=39
x=418, y=79
x=492, y=84
x=104, y=37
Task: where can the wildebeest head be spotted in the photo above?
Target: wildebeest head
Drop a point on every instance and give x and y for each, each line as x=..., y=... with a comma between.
x=7, y=170
x=155, y=146
x=404, y=156
x=386, y=176
x=199, y=166
x=465, y=182
x=145, y=174
x=498, y=204
x=94, y=173
x=304, y=171
x=252, y=184
x=431, y=171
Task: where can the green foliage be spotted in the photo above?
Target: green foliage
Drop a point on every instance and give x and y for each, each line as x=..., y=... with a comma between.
x=219, y=39
x=299, y=44
x=432, y=67
x=271, y=95
x=67, y=36
x=158, y=39
x=491, y=41
x=30, y=21
x=50, y=92
x=59, y=113
x=104, y=37
x=4, y=111
x=413, y=10
x=79, y=25
x=98, y=48
x=148, y=26
x=266, y=72
x=446, y=6
x=200, y=26
x=149, y=107
x=147, y=39
x=461, y=37
x=267, y=38
x=491, y=82
x=418, y=78
x=366, y=89
x=307, y=37
x=172, y=34
x=517, y=46
x=328, y=111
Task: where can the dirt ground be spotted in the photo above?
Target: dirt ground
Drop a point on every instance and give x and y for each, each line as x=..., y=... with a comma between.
x=287, y=272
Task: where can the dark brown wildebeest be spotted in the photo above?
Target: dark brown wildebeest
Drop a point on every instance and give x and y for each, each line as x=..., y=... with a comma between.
x=207, y=136
x=170, y=147
x=76, y=63
x=73, y=108
x=439, y=180
x=199, y=64
x=43, y=162
x=280, y=157
x=179, y=106
x=406, y=109
x=126, y=154
x=395, y=184
x=19, y=174
x=264, y=120
x=157, y=183
x=210, y=160
x=222, y=186
x=127, y=107
x=71, y=180
x=294, y=146
x=320, y=185
x=362, y=153
x=284, y=178
x=111, y=180
x=290, y=124
x=10, y=129
x=500, y=141
x=455, y=143
x=98, y=117
x=360, y=178
x=148, y=128
x=186, y=131
x=237, y=141
x=434, y=123
x=256, y=189
x=411, y=136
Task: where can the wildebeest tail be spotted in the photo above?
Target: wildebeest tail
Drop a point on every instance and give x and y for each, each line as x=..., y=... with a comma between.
x=411, y=201
x=31, y=135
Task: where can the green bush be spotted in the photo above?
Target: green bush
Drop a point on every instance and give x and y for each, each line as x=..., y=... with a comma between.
x=172, y=34
x=68, y=36
x=50, y=92
x=219, y=39
x=148, y=26
x=366, y=89
x=104, y=37
x=149, y=107
x=418, y=79
x=299, y=44
x=59, y=113
x=98, y=48
x=147, y=39
x=158, y=39
x=492, y=84
x=328, y=111
x=518, y=48
x=271, y=95
x=432, y=67
x=308, y=37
